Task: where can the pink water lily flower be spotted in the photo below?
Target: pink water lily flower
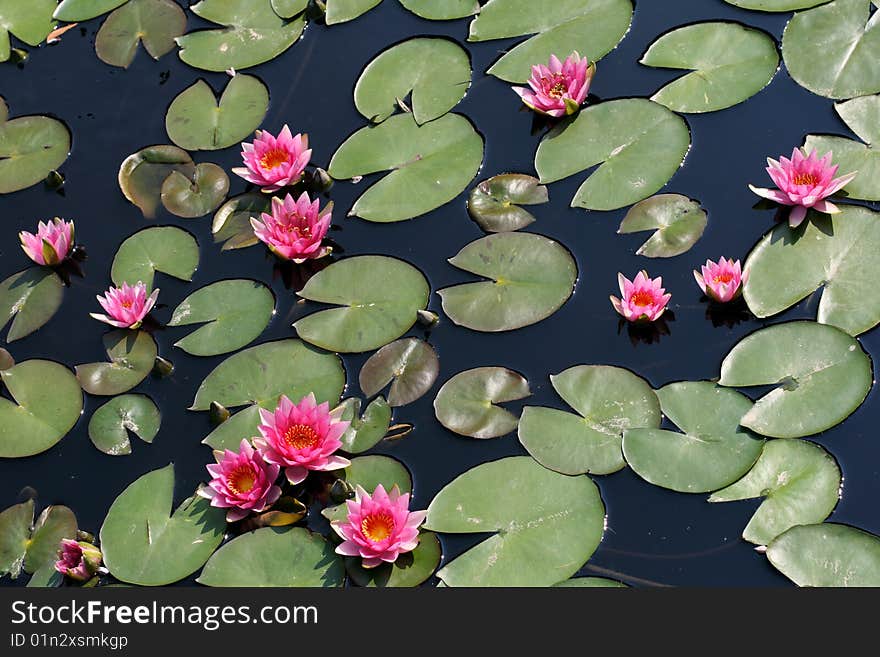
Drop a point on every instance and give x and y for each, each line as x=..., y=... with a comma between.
x=274, y=162
x=721, y=281
x=642, y=299
x=241, y=482
x=804, y=182
x=301, y=437
x=52, y=243
x=559, y=88
x=126, y=306
x=78, y=560
x=295, y=228
x=379, y=527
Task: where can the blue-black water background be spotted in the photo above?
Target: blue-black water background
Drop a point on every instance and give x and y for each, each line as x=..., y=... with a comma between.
x=653, y=535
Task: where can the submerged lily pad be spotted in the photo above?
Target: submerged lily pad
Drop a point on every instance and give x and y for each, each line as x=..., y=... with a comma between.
x=31, y=22
x=365, y=431
x=729, y=62
x=430, y=165
x=196, y=120
x=141, y=174
x=436, y=71
x=678, y=223
x=155, y=23
x=800, y=484
x=410, y=365
x=547, y=524
x=145, y=544
x=410, y=569
x=532, y=277
x=822, y=375
x=232, y=222
x=638, y=143
x=712, y=452
x=195, y=196
x=31, y=147
x=494, y=203
x=132, y=356
x=29, y=298
x=166, y=249
x=23, y=548
x=83, y=10
x=380, y=298
x=827, y=554
x=110, y=425
x=608, y=401
x=46, y=403
x=592, y=27
x=467, y=403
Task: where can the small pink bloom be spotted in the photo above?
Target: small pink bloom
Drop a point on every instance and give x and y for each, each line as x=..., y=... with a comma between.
x=78, y=560
x=295, y=229
x=642, y=298
x=126, y=306
x=274, y=162
x=560, y=88
x=379, y=527
x=301, y=437
x=52, y=243
x=241, y=482
x=721, y=281
x=804, y=182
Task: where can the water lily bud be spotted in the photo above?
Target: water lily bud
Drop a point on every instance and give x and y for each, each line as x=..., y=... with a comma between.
x=340, y=491
x=78, y=560
x=428, y=318
x=322, y=180
x=54, y=180
x=18, y=56
x=163, y=367
x=218, y=413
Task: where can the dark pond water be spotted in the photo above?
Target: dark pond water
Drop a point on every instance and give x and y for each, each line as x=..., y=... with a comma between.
x=654, y=536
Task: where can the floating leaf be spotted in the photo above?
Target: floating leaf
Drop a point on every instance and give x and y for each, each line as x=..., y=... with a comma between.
x=800, y=484
x=466, y=404
x=83, y=10
x=494, y=203
x=241, y=426
x=430, y=165
x=775, y=5
x=590, y=582
x=638, y=143
x=380, y=297
x=197, y=121
x=144, y=544
x=261, y=374
x=22, y=548
x=845, y=32
x=141, y=174
x=532, y=277
x=155, y=23
x=730, y=63
x=608, y=400
x=6, y=359
x=437, y=71
x=827, y=554
x=31, y=147
x=31, y=22
x=232, y=223
x=46, y=403
x=342, y=11
x=368, y=472
x=132, y=355
x=196, y=196
x=410, y=569
x=364, y=431
x=289, y=8
x=29, y=298
x=410, y=365
x=252, y=34
x=713, y=452
x=678, y=223
x=234, y=312
x=548, y=524
x=275, y=556
x=165, y=249
x=442, y=10
x=111, y=424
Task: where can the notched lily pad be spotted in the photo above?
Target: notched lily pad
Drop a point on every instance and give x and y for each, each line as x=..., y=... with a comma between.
x=31, y=147
x=141, y=174
x=365, y=431
x=111, y=424
x=132, y=355
x=29, y=298
x=166, y=249
x=196, y=196
x=155, y=23
x=678, y=223
x=31, y=22
x=28, y=545
x=410, y=365
x=494, y=203
x=467, y=403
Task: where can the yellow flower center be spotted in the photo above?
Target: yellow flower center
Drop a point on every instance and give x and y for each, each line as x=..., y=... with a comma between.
x=296, y=228
x=555, y=86
x=805, y=179
x=642, y=298
x=377, y=526
x=273, y=158
x=242, y=479
x=300, y=436
x=726, y=277
x=126, y=304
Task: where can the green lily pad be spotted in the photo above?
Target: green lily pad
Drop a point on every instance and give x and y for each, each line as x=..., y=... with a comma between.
x=232, y=222
x=24, y=549
x=494, y=203
x=252, y=33
x=132, y=356
x=590, y=582
x=678, y=223
x=591, y=27
x=289, y=8
x=846, y=32
x=638, y=144
x=712, y=452
x=730, y=63
x=608, y=401
x=380, y=298
x=436, y=71
x=827, y=554
x=368, y=472
x=342, y=11
x=242, y=425
x=155, y=23
x=275, y=556
x=31, y=22
x=29, y=298
x=31, y=147
x=532, y=277
x=775, y=5
x=83, y=10
x=430, y=165
x=39, y=415
x=442, y=10
x=800, y=484
x=110, y=425
x=145, y=544
x=142, y=174
x=548, y=524
x=467, y=403
x=410, y=569
x=365, y=431
x=261, y=374
x=409, y=364
x=234, y=312
x=46, y=577
x=195, y=196
x=197, y=121
x=166, y=249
